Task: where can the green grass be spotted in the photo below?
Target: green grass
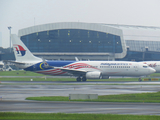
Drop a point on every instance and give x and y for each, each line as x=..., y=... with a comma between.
x=28, y=73
x=19, y=73
x=139, y=97
x=37, y=79
x=62, y=79
x=63, y=116
x=155, y=75
x=40, y=77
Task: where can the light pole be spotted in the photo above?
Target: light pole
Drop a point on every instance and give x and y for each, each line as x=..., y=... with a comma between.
x=10, y=36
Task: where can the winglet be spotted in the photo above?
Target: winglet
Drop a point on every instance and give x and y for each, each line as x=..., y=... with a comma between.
x=76, y=59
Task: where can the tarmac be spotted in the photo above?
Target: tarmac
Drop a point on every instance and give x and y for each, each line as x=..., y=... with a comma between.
x=13, y=94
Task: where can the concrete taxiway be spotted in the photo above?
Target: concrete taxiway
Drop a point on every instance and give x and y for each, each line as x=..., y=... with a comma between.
x=13, y=94
x=81, y=107
x=18, y=91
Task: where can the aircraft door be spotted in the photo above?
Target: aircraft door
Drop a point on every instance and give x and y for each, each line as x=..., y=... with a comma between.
x=136, y=68
x=34, y=67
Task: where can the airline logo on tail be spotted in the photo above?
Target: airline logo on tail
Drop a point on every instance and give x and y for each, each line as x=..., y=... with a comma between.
x=20, y=50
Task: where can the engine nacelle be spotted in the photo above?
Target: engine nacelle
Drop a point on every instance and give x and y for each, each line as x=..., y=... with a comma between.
x=93, y=75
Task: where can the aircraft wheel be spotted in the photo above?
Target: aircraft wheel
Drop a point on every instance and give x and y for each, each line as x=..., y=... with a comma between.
x=78, y=79
x=84, y=79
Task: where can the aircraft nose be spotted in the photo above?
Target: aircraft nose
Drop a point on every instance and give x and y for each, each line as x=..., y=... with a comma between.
x=152, y=70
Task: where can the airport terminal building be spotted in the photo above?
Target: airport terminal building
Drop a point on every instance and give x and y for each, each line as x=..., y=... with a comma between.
x=67, y=40
x=92, y=41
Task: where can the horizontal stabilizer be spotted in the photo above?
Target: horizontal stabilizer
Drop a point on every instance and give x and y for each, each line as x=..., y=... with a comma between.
x=13, y=62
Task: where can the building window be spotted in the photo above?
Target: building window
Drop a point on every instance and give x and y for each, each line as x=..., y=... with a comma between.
x=88, y=34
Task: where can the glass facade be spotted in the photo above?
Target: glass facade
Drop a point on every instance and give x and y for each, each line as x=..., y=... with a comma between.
x=135, y=45
x=141, y=56
x=73, y=40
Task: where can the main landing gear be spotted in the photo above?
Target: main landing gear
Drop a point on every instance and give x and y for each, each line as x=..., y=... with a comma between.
x=79, y=79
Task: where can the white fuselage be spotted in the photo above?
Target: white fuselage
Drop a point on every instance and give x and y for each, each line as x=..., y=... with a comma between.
x=107, y=68
x=117, y=68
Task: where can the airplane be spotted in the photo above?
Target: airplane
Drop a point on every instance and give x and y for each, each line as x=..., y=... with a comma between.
x=83, y=70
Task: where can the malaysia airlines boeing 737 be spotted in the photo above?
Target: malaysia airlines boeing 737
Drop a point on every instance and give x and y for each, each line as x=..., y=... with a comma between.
x=83, y=70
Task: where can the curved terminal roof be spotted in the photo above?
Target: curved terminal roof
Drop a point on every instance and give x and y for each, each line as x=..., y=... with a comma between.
x=139, y=33
x=77, y=25
x=138, y=38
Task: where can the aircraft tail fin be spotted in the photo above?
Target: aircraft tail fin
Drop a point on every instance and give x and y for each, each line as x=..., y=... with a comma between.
x=21, y=52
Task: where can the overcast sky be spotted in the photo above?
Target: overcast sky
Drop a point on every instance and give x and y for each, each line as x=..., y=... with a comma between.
x=23, y=13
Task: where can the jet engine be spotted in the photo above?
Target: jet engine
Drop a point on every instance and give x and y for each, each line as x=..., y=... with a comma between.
x=94, y=75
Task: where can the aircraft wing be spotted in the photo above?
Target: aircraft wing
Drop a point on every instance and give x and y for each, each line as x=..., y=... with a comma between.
x=73, y=71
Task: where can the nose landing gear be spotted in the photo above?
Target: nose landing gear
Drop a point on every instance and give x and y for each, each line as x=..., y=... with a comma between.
x=140, y=79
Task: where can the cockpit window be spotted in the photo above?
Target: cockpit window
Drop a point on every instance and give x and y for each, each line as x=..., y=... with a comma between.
x=145, y=66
